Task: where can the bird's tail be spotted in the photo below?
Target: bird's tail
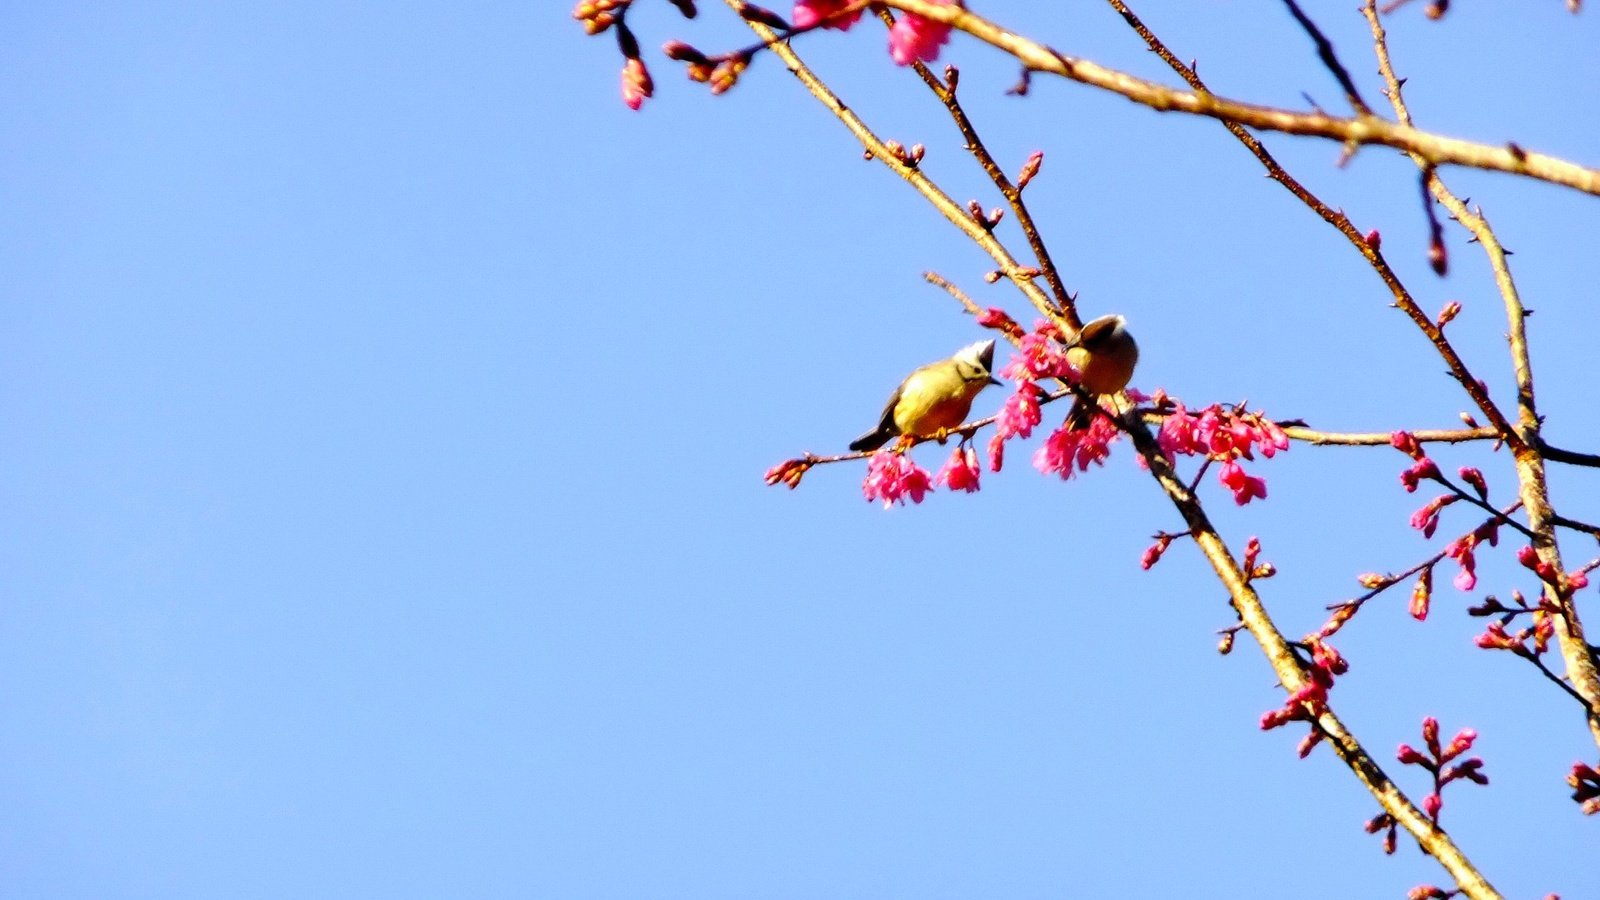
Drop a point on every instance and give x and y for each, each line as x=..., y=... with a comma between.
x=872, y=440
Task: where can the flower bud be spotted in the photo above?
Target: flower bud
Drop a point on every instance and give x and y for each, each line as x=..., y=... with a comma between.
x=1030, y=168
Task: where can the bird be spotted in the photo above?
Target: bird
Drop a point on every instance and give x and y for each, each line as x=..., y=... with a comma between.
x=935, y=398
x=1104, y=354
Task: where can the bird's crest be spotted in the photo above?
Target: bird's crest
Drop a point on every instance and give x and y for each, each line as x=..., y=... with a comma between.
x=980, y=354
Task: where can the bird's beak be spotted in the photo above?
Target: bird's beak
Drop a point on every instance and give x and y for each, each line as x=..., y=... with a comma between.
x=994, y=380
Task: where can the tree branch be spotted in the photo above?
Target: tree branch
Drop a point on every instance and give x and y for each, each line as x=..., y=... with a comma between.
x=1359, y=130
x=1582, y=667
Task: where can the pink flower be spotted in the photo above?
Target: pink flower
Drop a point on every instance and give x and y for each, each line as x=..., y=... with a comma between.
x=1271, y=437
x=996, y=318
x=807, y=13
x=997, y=453
x=1018, y=414
x=960, y=473
x=1065, y=449
x=1423, y=469
x=1244, y=486
x=1495, y=638
x=892, y=477
x=1426, y=519
x=1406, y=443
x=1179, y=434
x=1152, y=553
x=1038, y=356
x=913, y=37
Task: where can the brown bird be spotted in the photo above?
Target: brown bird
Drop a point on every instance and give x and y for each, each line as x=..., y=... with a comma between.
x=1104, y=354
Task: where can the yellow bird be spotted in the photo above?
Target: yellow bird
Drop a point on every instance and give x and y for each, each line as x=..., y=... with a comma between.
x=1104, y=354
x=935, y=398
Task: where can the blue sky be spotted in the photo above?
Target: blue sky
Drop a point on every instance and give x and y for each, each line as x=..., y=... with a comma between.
x=386, y=412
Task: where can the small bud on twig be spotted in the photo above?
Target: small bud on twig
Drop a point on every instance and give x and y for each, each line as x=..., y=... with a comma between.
x=1030, y=169
x=1450, y=311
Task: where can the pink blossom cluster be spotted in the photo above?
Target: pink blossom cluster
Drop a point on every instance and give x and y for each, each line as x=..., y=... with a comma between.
x=1564, y=582
x=1461, y=550
x=1495, y=637
x=915, y=38
x=1039, y=355
x=1309, y=700
x=1437, y=761
x=891, y=477
x=1225, y=436
x=912, y=38
x=1584, y=780
x=808, y=13
x=960, y=472
x=1426, y=519
x=1387, y=824
x=1073, y=449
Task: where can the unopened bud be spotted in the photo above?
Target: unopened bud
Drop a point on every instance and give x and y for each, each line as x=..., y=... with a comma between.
x=683, y=52
x=1030, y=169
x=1430, y=733
x=1406, y=443
x=752, y=13
x=1374, y=239
x=1450, y=311
x=1225, y=643
x=1422, y=594
x=1336, y=621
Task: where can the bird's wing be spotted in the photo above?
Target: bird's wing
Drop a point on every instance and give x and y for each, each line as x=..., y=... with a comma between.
x=886, y=421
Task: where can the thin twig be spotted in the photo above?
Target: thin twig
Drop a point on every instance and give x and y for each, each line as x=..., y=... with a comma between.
x=1330, y=59
x=1369, y=439
x=1570, y=457
x=946, y=92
